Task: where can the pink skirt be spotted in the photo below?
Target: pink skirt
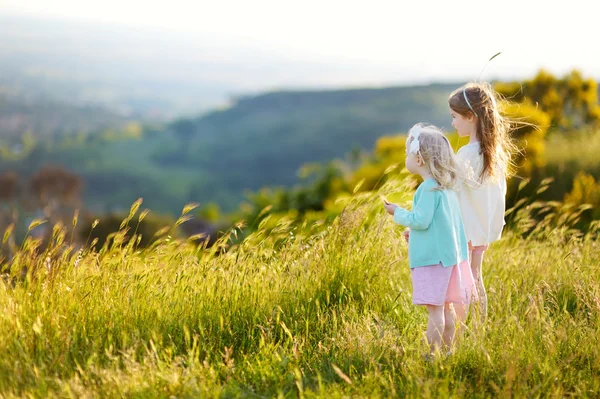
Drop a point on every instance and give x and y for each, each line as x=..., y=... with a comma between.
x=436, y=285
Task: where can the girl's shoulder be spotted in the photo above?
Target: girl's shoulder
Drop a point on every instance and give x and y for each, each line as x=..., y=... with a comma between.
x=429, y=183
x=470, y=154
x=429, y=186
x=470, y=149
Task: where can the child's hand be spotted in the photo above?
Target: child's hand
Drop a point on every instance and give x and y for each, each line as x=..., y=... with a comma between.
x=389, y=207
x=406, y=234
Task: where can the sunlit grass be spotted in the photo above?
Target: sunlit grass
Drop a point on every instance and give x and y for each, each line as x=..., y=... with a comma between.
x=323, y=311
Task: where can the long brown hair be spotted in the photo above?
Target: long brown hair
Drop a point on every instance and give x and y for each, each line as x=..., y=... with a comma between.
x=493, y=129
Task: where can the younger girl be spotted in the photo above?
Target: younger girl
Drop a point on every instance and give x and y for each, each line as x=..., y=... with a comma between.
x=438, y=246
x=475, y=114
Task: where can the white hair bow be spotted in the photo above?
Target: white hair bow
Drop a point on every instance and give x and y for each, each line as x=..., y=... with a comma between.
x=414, y=144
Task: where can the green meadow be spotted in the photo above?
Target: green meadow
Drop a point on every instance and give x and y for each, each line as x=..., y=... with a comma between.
x=317, y=310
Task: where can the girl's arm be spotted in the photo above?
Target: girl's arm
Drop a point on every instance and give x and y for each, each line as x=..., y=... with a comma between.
x=422, y=214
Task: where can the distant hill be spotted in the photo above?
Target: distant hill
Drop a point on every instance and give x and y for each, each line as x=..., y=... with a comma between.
x=263, y=140
x=259, y=141
x=48, y=119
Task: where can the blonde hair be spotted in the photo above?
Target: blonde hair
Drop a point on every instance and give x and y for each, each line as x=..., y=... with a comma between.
x=437, y=155
x=497, y=148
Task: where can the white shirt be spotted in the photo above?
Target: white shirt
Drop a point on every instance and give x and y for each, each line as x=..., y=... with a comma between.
x=482, y=204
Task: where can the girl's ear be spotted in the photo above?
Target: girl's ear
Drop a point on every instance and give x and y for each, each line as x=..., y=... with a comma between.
x=420, y=161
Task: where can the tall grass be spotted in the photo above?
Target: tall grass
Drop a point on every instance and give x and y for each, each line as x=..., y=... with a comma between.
x=319, y=311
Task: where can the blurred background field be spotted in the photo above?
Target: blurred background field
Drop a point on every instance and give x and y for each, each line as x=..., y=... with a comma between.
x=295, y=150
x=102, y=106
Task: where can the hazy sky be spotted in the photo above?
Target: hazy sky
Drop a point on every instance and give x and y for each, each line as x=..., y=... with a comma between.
x=385, y=41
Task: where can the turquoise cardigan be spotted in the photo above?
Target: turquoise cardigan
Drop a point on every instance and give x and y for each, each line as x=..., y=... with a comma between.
x=437, y=233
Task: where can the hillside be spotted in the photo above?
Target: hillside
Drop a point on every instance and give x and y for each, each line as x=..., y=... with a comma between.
x=259, y=141
x=48, y=119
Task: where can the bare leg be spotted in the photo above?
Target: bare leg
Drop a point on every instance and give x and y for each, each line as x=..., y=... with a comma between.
x=449, y=325
x=480, y=308
x=435, y=327
x=461, y=311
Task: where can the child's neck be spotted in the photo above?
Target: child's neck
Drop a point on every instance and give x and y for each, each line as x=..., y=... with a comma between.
x=473, y=137
x=425, y=174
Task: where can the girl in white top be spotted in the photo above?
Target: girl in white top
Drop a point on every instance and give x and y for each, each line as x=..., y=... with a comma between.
x=475, y=114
